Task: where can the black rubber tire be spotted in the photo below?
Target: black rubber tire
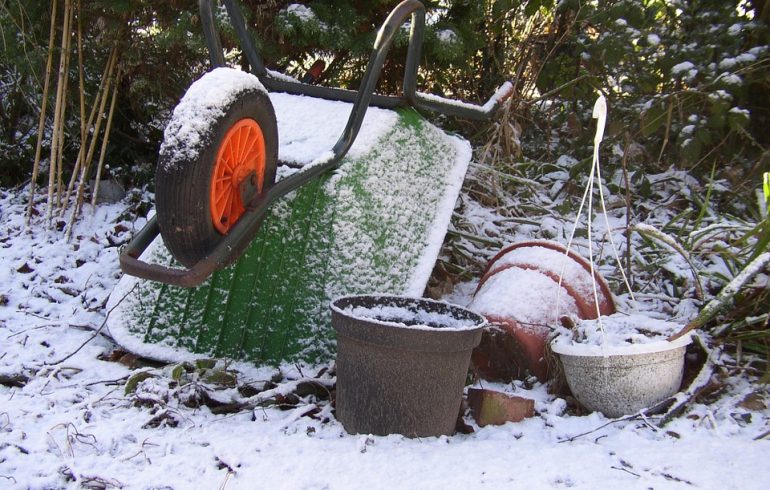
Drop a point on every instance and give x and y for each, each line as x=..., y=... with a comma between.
x=182, y=189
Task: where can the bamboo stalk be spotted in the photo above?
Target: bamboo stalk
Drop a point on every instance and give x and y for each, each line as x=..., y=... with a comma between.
x=105, y=140
x=83, y=124
x=86, y=165
x=84, y=143
x=43, y=108
x=57, y=120
x=67, y=58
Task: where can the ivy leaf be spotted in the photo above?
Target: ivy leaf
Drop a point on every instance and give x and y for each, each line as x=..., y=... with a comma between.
x=500, y=7
x=704, y=136
x=652, y=119
x=532, y=7
x=205, y=363
x=737, y=118
x=134, y=381
x=691, y=149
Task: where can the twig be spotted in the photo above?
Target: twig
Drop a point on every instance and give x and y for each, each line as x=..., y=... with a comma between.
x=763, y=435
x=117, y=381
x=86, y=165
x=627, y=184
x=556, y=90
x=628, y=418
x=85, y=146
x=96, y=332
x=627, y=471
x=230, y=473
x=700, y=384
x=285, y=389
x=297, y=414
x=670, y=477
x=60, y=156
x=668, y=129
x=83, y=125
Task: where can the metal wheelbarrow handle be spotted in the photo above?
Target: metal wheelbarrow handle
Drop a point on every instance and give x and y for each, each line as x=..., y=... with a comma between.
x=248, y=224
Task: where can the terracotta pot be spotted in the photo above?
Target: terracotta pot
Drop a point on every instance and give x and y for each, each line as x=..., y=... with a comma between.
x=548, y=258
x=517, y=294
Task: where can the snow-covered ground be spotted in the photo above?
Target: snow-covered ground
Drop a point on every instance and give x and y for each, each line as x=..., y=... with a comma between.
x=66, y=420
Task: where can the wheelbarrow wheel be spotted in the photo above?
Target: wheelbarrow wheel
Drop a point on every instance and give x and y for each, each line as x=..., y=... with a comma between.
x=200, y=186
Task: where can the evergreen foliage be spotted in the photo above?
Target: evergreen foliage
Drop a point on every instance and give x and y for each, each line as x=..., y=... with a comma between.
x=686, y=79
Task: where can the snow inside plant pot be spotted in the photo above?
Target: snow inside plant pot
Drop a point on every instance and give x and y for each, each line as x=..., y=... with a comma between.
x=621, y=364
x=401, y=363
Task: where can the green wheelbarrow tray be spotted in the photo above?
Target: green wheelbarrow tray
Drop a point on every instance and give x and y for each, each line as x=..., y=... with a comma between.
x=374, y=224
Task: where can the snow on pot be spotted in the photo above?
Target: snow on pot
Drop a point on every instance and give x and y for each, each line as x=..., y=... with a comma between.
x=620, y=364
x=401, y=363
x=521, y=295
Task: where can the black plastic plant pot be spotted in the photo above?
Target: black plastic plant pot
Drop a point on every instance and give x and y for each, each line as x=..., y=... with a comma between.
x=402, y=363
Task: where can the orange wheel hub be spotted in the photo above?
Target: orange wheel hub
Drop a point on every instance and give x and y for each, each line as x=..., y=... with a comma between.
x=240, y=156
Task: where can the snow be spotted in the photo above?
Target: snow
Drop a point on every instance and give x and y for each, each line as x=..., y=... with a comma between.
x=68, y=423
x=525, y=295
x=302, y=12
x=686, y=70
x=186, y=133
x=682, y=67
x=72, y=425
x=618, y=334
x=304, y=15
x=730, y=79
x=304, y=135
x=501, y=93
x=653, y=39
x=415, y=317
x=735, y=29
x=447, y=36
x=740, y=112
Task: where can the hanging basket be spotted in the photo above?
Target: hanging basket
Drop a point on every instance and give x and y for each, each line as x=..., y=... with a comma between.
x=622, y=380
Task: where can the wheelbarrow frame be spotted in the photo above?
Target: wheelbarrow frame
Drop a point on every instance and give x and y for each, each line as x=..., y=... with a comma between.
x=248, y=225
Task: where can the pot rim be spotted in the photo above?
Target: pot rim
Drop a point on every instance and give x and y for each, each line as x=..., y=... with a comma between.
x=586, y=350
x=378, y=296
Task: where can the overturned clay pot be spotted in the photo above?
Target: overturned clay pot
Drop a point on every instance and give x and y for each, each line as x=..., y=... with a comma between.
x=522, y=297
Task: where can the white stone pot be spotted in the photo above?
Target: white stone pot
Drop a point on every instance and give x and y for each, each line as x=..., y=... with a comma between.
x=622, y=380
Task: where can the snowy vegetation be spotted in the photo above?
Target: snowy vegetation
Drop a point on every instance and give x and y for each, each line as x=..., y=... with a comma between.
x=683, y=160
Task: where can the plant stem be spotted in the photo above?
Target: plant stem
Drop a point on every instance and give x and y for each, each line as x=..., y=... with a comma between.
x=43, y=107
x=725, y=295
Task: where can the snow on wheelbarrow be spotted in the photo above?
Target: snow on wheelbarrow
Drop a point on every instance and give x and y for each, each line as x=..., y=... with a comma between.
x=250, y=175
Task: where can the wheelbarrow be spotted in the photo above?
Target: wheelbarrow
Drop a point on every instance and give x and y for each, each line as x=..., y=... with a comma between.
x=213, y=189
